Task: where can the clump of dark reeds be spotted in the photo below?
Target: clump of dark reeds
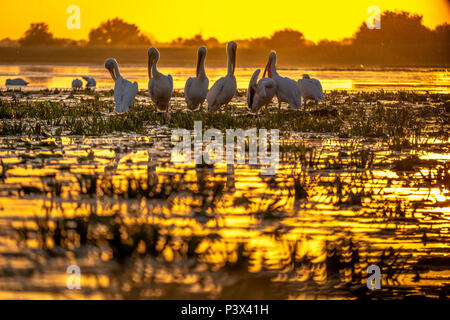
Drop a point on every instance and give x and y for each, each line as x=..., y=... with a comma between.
x=399, y=125
x=346, y=263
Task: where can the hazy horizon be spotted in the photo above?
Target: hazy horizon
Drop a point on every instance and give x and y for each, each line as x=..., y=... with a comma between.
x=157, y=20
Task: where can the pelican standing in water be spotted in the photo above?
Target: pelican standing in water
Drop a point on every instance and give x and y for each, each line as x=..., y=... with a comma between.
x=77, y=84
x=124, y=91
x=260, y=93
x=16, y=82
x=90, y=82
x=224, y=89
x=160, y=86
x=287, y=89
x=196, y=87
x=310, y=89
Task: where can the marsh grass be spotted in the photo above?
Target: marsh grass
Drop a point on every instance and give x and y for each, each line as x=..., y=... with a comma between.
x=400, y=125
x=139, y=227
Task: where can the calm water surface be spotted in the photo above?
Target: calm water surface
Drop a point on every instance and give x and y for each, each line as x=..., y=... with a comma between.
x=140, y=226
x=61, y=76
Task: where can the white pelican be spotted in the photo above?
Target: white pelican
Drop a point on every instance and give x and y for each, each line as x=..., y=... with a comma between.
x=260, y=93
x=124, y=90
x=16, y=82
x=77, y=84
x=160, y=86
x=196, y=87
x=224, y=89
x=287, y=89
x=90, y=82
x=310, y=89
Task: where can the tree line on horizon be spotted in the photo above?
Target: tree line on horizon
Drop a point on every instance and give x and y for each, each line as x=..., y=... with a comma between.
x=402, y=36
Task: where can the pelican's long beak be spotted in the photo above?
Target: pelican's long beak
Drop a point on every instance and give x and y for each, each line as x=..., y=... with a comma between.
x=267, y=69
x=112, y=71
x=199, y=61
x=234, y=59
x=149, y=66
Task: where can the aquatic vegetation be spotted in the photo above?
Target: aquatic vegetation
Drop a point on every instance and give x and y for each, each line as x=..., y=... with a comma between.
x=363, y=179
x=397, y=124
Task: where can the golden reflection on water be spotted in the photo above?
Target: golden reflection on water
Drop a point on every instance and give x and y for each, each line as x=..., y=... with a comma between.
x=285, y=239
x=59, y=76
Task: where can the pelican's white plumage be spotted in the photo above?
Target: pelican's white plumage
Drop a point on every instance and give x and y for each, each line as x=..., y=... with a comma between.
x=90, y=82
x=310, y=88
x=260, y=93
x=160, y=86
x=16, y=82
x=287, y=89
x=124, y=91
x=77, y=84
x=225, y=88
x=196, y=87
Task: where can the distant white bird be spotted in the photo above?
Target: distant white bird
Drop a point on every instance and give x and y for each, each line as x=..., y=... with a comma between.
x=310, y=89
x=260, y=93
x=16, y=82
x=196, y=87
x=224, y=89
x=90, y=82
x=287, y=89
x=124, y=90
x=77, y=84
x=160, y=86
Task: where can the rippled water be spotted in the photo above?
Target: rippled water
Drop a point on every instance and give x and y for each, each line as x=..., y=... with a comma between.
x=140, y=226
x=61, y=76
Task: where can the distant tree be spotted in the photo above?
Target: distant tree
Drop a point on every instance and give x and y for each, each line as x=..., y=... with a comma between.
x=402, y=39
x=442, y=33
x=7, y=42
x=258, y=43
x=117, y=32
x=37, y=34
x=195, y=41
x=212, y=42
x=441, y=45
x=287, y=38
x=396, y=28
x=178, y=42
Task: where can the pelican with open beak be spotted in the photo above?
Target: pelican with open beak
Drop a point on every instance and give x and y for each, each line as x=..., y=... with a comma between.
x=287, y=89
x=160, y=86
x=196, y=87
x=124, y=91
x=225, y=88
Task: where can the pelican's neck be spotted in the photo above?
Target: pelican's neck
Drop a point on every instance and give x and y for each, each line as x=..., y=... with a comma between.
x=155, y=71
x=201, y=67
x=230, y=63
x=273, y=68
x=116, y=70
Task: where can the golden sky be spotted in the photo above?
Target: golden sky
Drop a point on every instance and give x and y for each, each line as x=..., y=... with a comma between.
x=226, y=19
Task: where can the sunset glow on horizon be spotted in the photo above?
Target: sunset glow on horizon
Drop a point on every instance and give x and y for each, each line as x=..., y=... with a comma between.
x=165, y=21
